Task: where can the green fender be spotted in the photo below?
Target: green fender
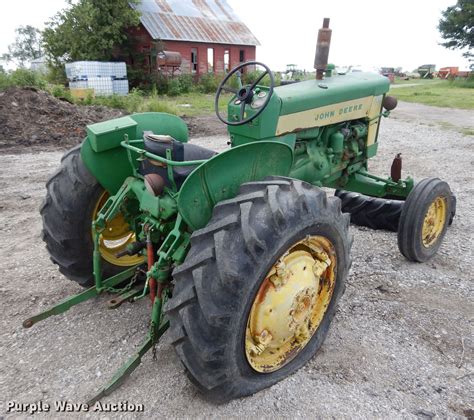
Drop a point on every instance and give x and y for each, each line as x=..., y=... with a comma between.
x=220, y=177
x=107, y=160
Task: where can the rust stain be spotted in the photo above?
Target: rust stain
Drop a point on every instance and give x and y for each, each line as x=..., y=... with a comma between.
x=262, y=291
x=209, y=30
x=169, y=24
x=204, y=8
x=163, y=4
x=191, y=28
x=222, y=8
x=205, y=29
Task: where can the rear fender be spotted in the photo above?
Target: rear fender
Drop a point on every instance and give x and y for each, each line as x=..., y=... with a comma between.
x=108, y=161
x=219, y=178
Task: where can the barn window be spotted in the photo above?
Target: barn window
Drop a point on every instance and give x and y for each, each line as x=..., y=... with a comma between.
x=242, y=56
x=226, y=60
x=210, y=60
x=194, y=60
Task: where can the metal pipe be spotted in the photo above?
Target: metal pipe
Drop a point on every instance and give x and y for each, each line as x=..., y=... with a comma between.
x=322, y=49
x=151, y=261
x=159, y=158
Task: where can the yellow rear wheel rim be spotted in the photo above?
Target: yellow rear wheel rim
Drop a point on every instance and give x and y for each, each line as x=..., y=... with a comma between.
x=290, y=304
x=434, y=221
x=115, y=238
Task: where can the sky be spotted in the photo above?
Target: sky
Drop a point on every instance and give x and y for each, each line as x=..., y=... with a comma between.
x=368, y=33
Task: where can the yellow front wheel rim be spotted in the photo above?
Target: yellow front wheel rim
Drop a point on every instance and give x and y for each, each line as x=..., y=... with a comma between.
x=115, y=238
x=434, y=221
x=290, y=304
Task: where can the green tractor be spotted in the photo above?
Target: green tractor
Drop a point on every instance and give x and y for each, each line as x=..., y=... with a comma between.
x=242, y=254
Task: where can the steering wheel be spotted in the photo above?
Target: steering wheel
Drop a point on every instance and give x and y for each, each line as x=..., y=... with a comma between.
x=244, y=94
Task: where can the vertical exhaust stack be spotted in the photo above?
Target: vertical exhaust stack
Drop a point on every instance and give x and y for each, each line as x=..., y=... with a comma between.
x=322, y=49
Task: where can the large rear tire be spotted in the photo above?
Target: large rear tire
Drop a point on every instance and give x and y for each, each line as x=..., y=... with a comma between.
x=220, y=287
x=72, y=200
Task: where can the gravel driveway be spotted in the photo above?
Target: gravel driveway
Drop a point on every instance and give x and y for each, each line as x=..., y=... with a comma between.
x=401, y=344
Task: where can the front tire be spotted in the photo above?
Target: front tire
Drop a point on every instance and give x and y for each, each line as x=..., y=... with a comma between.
x=426, y=214
x=228, y=265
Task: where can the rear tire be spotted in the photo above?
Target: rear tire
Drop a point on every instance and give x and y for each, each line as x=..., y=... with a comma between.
x=72, y=194
x=375, y=213
x=224, y=270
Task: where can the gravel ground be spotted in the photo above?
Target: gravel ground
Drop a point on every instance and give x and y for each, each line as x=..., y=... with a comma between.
x=401, y=344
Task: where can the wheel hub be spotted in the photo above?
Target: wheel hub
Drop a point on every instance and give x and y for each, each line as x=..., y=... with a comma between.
x=434, y=221
x=116, y=236
x=290, y=304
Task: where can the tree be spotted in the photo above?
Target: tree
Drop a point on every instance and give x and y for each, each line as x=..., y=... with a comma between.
x=27, y=46
x=88, y=30
x=457, y=27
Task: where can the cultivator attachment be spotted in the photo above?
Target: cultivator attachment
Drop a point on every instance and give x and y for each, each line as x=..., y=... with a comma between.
x=142, y=281
x=157, y=326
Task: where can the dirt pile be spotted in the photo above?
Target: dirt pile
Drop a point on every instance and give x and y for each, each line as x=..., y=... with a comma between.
x=205, y=126
x=30, y=117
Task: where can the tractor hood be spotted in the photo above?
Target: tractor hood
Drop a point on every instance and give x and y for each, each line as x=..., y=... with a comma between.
x=314, y=103
x=313, y=94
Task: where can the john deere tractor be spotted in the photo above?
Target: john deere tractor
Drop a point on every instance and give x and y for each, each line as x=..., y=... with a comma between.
x=242, y=254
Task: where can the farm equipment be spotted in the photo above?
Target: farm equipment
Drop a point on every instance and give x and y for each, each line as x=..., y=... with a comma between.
x=427, y=71
x=241, y=254
x=291, y=75
x=453, y=73
x=448, y=72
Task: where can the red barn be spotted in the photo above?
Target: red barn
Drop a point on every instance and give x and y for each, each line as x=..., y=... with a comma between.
x=207, y=33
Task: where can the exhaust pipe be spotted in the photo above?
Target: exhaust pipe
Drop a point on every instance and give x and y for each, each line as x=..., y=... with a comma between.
x=322, y=49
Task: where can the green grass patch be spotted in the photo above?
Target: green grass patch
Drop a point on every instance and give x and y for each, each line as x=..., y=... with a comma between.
x=191, y=104
x=441, y=93
x=412, y=80
x=467, y=132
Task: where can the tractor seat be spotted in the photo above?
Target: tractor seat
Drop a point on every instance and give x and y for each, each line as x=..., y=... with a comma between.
x=159, y=144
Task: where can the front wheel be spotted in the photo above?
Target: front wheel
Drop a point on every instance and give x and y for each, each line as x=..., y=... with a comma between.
x=426, y=214
x=254, y=298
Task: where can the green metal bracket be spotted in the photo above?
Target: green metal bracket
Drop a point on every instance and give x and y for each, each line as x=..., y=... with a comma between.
x=128, y=145
x=126, y=370
x=366, y=183
x=130, y=158
x=71, y=301
x=170, y=171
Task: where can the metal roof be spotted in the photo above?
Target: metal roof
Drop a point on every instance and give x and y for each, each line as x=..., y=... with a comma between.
x=194, y=20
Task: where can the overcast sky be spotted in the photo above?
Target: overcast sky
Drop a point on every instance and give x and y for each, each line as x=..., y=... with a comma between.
x=369, y=33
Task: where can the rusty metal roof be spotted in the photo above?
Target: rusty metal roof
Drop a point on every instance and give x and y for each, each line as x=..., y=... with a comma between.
x=194, y=20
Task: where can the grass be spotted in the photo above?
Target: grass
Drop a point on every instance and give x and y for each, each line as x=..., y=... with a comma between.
x=400, y=81
x=191, y=104
x=442, y=93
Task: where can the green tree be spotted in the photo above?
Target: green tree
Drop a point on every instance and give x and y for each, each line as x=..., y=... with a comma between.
x=88, y=30
x=27, y=46
x=457, y=27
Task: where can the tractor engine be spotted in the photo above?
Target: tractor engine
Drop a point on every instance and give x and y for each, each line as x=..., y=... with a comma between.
x=332, y=124
x=322, y=154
